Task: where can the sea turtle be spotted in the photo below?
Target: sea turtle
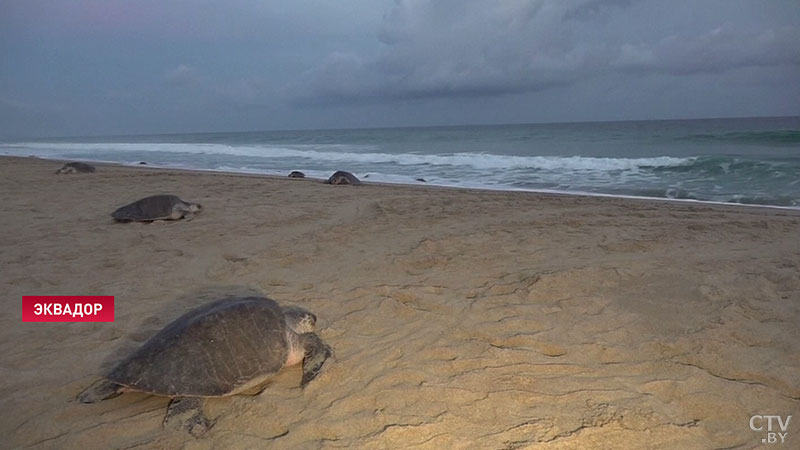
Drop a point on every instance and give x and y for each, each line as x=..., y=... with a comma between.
x=342, y=177
x=226, y=347
x=297, y=174
x=156, y=207
x=76, y=167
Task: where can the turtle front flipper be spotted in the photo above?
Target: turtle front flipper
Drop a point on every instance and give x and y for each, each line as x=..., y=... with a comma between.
x=186, y=414
x=102, y=389
x=316, y=352
x=182, y=210
x=179, y=211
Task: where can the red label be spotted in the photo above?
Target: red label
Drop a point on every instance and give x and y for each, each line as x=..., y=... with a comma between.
x=68, y=308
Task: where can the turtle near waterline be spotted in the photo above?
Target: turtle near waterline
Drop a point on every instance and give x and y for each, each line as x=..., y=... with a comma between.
x=342, y=177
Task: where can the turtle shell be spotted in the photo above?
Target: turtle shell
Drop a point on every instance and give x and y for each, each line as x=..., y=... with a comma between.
x=342, y=177
x=149, y=208
x=211, y=351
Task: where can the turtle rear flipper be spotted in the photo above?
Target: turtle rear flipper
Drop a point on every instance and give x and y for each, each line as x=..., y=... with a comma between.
x=186, y=413
x=316, y=352
x=102, y=389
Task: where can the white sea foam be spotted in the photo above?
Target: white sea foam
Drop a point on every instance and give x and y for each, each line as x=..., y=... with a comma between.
x=478, y=161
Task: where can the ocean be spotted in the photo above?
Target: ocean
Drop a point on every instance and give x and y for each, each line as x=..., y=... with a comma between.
x=748, y=161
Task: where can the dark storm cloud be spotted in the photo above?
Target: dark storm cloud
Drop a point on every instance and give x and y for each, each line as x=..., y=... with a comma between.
x=122, y=67
x=721, y=49
x=468, y=48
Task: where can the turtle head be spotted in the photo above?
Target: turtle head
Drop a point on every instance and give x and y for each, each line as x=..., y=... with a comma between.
x=299, y=320
x=195, y=207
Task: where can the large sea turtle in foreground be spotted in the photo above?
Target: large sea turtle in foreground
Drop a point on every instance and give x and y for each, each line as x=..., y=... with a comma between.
x=76, y=167
x=227, y=347
x=342, y=177
x=156, y=207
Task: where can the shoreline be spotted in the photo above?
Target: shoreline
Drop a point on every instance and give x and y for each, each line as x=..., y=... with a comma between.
x=458, y=318
x=427, y=185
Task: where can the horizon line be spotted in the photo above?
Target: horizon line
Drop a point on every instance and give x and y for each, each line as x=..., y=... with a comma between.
x=312, y=129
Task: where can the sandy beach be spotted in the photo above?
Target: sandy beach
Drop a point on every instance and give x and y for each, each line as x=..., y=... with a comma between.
x=459, y=319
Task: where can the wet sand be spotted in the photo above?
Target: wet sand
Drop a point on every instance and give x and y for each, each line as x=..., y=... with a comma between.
x=459, y=319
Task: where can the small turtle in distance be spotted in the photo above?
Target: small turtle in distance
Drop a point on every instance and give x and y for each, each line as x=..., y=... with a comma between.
x=156, y=207
x=227, y=347
x=75, y=167
x=297, y=174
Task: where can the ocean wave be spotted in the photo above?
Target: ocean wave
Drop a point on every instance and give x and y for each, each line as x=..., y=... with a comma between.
x=478, y=161
x=727, y=165
x=735, y=178
x=775, y=137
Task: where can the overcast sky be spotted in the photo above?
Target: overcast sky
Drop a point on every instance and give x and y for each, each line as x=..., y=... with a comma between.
x=98, y=67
